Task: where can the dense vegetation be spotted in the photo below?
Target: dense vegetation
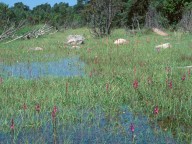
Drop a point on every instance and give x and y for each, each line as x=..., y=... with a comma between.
x=122, y=12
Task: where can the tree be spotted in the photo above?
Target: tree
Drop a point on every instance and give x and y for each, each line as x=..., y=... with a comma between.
x=20, y=11
x=79, y=12
x=61, y=14
x=101, y=16
x=3, y=14
x=134, y=10
x=41, y=13
x=172, y=10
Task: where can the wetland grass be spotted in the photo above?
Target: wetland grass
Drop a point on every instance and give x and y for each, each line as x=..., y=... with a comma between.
x=134, y=75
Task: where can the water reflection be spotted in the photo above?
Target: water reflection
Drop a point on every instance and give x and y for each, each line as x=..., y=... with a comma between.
x=64, y=67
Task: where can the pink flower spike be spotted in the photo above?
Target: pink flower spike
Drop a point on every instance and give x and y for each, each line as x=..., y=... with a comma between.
x=55, y=109
x=170, y=84
x=37, y=108
x=156, y=110
x=132, y=128
x=183, y=78
x=12, y=124
x=53, y=114
x=135, y=84
x=24, y=107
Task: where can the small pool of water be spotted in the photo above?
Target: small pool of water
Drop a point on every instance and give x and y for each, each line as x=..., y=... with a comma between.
x=63, y=68
x=93, y=127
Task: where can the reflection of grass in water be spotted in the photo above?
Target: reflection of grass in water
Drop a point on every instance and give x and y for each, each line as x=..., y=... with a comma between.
x=114, y=65
x=91, y=126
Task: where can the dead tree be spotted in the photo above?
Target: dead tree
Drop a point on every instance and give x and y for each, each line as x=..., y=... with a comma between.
x=101, y=15
x=9, y=32
x=152, y=19
x=45, y=29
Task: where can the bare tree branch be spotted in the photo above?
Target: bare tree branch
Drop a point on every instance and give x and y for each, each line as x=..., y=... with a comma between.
x=10, y=31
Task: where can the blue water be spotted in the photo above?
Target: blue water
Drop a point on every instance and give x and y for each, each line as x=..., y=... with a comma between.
x=63, y=68
x=94, y=127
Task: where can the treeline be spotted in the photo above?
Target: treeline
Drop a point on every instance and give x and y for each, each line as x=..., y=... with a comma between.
x=61, y=14
x=100, y=15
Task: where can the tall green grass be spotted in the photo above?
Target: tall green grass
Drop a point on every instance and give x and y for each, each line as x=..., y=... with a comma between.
x=117, y=66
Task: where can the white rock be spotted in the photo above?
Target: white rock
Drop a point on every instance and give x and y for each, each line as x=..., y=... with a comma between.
x=75, y=39
x=120, y=41
x=159, y=32
x=163, y=46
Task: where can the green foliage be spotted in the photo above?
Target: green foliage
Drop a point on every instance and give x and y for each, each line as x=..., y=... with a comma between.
x=5, y=14
x=81, y=12
x=188, y=6
x=20, y=12
x=41, y=13
x=62, y=15
x=172, y=10
x=135, y=9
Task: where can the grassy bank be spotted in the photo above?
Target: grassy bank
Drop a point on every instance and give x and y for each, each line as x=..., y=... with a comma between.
x=110, y=75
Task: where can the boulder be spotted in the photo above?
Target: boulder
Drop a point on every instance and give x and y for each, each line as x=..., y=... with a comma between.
x=75, y=39
x=120, y=41
x=159, y=32
x=163, y=46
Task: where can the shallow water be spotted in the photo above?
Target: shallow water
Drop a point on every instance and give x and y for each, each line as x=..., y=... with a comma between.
x=95, y=129
x=63, y=68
